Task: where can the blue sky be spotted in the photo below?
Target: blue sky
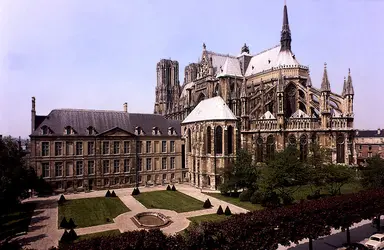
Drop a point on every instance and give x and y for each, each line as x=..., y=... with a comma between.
x=97, y=54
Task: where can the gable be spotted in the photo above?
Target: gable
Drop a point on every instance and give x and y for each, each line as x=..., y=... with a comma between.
x=116, y=132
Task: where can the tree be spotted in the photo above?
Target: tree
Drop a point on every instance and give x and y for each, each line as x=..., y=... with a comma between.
x=64, y=223
x=227, y=211
x=240, y=174
x=335, y=176
x=207, y=204
x=71, y=224
x=173, y=188
x=285, y=173
x=108, y=194
x=169, y=188
x=373, y=175
x=113, y=194
x=220, y=210
x=62, y=199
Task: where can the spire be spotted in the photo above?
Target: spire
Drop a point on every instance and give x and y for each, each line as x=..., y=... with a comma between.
x=309, y=80
x=325, y=85
x=245, y=49
x=285, y=39
x=349, y=88
x=344, y=87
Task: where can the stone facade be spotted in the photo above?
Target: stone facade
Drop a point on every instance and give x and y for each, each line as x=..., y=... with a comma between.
x=77, y=150
x=369, y=143
x=273, y=98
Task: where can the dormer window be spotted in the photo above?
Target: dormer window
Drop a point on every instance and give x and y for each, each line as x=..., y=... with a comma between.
x=171, y=131
x=155, y=131
x=68, y=130
x=44, y=130
x=91, y=130
x=139, y=131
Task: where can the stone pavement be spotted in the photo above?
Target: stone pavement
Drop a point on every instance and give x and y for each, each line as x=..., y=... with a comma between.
x=43, y=232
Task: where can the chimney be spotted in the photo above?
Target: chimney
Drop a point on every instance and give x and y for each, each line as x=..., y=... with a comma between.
x=33, y=114
x=126, y=107
x=378, y=131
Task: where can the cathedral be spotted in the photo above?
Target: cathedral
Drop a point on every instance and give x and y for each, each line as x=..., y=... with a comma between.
x=261, y=102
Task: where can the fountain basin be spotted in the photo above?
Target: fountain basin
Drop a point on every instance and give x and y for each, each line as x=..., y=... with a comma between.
x=151, y=220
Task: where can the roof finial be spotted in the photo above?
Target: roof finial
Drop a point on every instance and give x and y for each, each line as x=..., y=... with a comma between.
x=285, y=2
x=204, y=46
x=285, y=40
x=349, y=71
x=325, y=85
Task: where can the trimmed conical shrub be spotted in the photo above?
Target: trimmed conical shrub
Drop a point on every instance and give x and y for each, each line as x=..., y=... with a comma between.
x=227, y=211
x=220, y=210
x=207, y=204
x=136, y=191
x=173, y=188
x=108, y=194
x=65, y=237
x=64, y=223
x=62, y=199
x=113, y=194
x=72, y=235
x=71, y=224
x=169, y=188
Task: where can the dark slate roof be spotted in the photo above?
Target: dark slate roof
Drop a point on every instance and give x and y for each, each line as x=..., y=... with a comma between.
x=370, y=133
x=38, y=120
x=102, y=120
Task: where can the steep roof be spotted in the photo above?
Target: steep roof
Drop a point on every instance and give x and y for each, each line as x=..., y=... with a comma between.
x=263, y=61
x=231, y=67
x=212, y=109
x=299, y=114
x=103, y=120
x=369, y=133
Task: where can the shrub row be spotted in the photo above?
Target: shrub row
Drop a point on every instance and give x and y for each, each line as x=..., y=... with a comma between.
x=171, y=189
x=263, y=229
x=109, y=194
x=67, y=224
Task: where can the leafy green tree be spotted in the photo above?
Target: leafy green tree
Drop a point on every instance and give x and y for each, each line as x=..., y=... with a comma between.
x=240, y=174
x=373, y=175
x=336, y=176
x=284, y=174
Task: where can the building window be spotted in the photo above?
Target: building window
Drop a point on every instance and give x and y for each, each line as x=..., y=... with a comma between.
x=360, y=147
x=80, y=183
x=340, y=149
x=68, y=130
x=139, y=146
x=45, y=148
x=140, y=164
x=126, y=165
x=149, y=178
x=271, y=147
x=106, y=166
x=209, y=140
x=105, y=147
x=116, y=147
x=68, y=146
x=116, y=166
x=219, y=140
x=172, y=146
x=44, y=130
x=163, y=163
x=126, y=147
x=184, y=175
x=172, y=162
x=106, y=182
x=369, y=148
x=45, y=169
x=68, y=167
x=79, y=148
x=369, y=154
x=189, y=141
x=172, y=176
x=79, y=168
x=58, y=148
x=164, y=177
x=139, y=178
x=148, y=146
x=91, y=148
x=149, y=164
x=91, y=167
x=230, y=133
x=259, y=149
x=163, y=146
x=58, y=169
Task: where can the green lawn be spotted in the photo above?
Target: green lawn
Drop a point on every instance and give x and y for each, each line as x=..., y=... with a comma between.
x=92, y=211
x=236, y=201
x=208, y=217
x=171, y=200
x=96, y=235
x=301, y=193
x=16, y=221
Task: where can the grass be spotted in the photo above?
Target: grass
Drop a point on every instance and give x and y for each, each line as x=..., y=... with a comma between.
x=16, y=221
x=92, y=211
x=96, y=235
x=171, y=200
x=208, y=217
x=236, y=201
x=301, y=193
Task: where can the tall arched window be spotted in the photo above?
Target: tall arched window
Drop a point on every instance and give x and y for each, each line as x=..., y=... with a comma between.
x=270, y=147
x=303, y=147
x=340, y=149
x=259, y=149
x=219, y=140
x=290, y=97
x=189, y=140
x=292, y=140
x=230, y=140
x=209, y=140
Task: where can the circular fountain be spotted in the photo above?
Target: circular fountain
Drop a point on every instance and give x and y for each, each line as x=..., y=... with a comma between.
x=151, y=220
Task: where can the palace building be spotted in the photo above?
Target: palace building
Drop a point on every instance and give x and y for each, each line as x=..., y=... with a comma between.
x=261, y=102
x=77, y=150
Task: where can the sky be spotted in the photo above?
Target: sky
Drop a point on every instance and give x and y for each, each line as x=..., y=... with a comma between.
x=97, y=54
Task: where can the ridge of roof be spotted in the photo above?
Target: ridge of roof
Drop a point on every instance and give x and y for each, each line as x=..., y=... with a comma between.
x=219, y=54
x=278, y=45
x=88, y=110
